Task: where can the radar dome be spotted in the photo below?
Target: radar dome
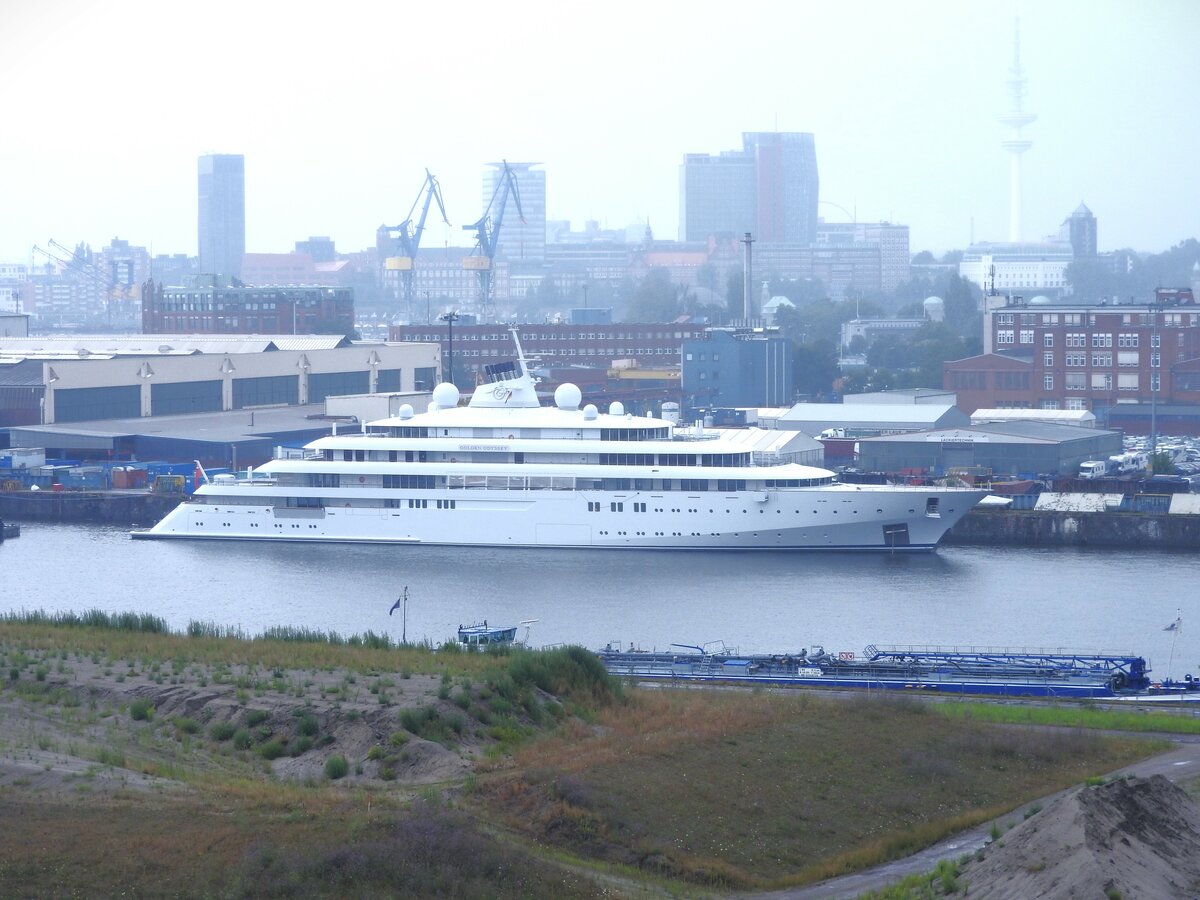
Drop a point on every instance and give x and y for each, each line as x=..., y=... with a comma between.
x=590, y=412
x=405, y=411
x=445, y=395
x=935, y=308
x=616, y=408
x=567, y=396
x=1040, y=300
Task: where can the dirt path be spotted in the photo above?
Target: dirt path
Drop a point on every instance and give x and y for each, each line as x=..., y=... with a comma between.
x=1181, y=763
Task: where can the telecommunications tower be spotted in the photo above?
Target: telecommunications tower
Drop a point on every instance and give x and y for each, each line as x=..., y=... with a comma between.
x=1016, y=118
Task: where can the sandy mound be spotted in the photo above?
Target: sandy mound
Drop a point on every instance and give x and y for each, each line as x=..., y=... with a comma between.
x=1132, y=838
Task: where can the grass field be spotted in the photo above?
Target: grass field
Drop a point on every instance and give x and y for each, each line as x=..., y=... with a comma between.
x=767, y=790
x=136, y=761
x=1075, y=716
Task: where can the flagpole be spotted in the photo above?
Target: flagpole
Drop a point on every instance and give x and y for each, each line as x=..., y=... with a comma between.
x=404, y=621
x=1174, y=637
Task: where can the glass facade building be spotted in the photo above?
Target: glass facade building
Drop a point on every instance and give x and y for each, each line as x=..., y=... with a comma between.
x=770, y=188
x=222, y=213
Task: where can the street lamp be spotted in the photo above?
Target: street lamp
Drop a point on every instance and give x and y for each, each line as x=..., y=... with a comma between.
x=1153, y=384
x=450, y=318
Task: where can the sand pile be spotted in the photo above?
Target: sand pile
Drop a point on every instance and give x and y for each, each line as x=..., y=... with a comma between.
x=1130, y=838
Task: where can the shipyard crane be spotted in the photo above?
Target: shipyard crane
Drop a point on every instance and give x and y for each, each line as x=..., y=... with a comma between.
x=487, y=234
x=406, y=238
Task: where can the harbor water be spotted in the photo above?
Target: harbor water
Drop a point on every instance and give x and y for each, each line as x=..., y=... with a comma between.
x=1070, y=598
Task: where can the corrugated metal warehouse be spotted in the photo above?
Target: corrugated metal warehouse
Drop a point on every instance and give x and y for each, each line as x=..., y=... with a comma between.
x=1008, y=448
x=869, y=418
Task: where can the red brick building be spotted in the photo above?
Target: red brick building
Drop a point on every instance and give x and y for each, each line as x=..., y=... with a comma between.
x=1111, y=360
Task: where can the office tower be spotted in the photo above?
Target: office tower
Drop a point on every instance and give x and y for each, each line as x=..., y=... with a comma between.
x=222, y=213
x=520, y=241
x=770, y=188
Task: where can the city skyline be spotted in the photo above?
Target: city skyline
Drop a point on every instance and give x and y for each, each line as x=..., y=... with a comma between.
x=337, y=134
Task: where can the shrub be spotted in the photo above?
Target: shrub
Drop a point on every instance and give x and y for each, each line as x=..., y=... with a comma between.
x=398, y=738
x=307, y=725
x=141, y=710
x=301, y=745
x=272, y=749
x=573, y=672
x=376, y=752
x=242, y=739
x=221, y=731
x=336, y=767
x=255, y=717
x=186, y=725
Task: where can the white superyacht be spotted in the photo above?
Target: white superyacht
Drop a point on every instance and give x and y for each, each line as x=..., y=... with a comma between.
x=505, y=471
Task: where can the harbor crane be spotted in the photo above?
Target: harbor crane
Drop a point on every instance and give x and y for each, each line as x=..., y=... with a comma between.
x=487, y=234
x=406, y=238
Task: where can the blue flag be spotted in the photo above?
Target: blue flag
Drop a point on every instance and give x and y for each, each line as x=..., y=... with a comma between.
x=395, y=606
x=1175, y=626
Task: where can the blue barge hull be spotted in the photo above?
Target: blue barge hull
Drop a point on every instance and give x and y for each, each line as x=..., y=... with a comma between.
x=957, y=671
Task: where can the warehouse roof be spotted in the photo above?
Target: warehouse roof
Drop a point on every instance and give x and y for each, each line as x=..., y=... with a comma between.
x=864, y=413
x=84, y=346
x=1018, y=432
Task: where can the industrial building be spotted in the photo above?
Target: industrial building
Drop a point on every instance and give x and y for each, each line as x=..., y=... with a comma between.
x=210, y=304
x=852, y=420
x=1119, y=361
x=728, y=367
x=219, y=439
x=47, y=380
x=1020, y=448
x=650, y=345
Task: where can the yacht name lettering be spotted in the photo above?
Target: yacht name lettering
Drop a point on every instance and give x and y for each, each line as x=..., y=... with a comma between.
x=483, y=446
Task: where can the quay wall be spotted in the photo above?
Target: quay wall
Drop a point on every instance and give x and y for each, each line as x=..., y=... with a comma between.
x=1047, y=528
x=87, y=507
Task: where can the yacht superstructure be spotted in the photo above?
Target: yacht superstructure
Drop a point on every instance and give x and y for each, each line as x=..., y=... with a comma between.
x=505, y=471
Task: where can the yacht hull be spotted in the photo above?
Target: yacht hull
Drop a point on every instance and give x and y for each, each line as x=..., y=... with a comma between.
x=832, y=518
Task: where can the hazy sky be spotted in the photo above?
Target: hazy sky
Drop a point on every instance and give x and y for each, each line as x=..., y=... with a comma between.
x=339, y=108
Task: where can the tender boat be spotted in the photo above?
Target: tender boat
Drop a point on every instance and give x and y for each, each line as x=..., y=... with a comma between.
x=505, y=471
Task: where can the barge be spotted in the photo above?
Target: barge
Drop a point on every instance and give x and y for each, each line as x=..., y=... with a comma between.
x=1021, y=673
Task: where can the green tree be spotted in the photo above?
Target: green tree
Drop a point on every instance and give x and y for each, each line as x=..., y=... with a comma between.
x=815, y=368
x=961, y=300
x=1091, y=279
x=655, y=299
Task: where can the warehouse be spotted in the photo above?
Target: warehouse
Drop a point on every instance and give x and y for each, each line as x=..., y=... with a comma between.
x=48, y=380
x=1022, y=448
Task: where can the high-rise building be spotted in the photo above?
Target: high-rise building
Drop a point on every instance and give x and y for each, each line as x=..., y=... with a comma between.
x=222, y=213
x=523, y=231
x=769, y=188
x=1080, y=230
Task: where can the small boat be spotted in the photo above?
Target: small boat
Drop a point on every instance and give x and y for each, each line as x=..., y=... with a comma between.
x=9, y=530
x=482, y=636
